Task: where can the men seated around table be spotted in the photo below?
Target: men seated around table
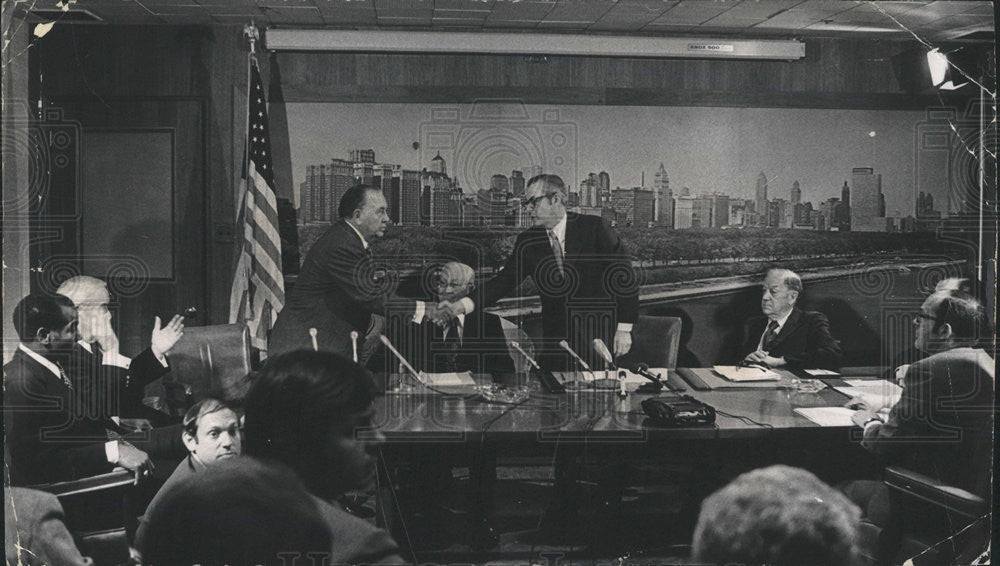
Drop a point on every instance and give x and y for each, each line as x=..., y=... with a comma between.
x=56, y=417
x=35, y=532
x=472, y=342
x=312, y=412
x=777, y=515
x=942, y=425
x=238, y=511
x=211, y=434
x=787, y=336
x=99, y=347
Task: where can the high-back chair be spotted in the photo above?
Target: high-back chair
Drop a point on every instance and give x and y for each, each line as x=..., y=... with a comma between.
x=655, y=341
x=212, y=359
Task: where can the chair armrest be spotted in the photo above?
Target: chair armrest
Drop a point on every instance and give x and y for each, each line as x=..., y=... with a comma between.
x=934, y=492
x=115, y=478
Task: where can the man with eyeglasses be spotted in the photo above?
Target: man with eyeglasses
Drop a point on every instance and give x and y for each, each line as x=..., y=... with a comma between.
x=584, y=278
x=942, y=425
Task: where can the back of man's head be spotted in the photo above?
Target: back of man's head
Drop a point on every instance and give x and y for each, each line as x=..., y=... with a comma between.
x=777, y=515
x=38, y=311
x=960, y=310
x=83, y=289
x=353, y=199
x=241, y=511
x=296, y=401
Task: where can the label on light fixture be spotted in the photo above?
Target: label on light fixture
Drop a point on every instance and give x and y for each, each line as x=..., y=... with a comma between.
x=715, y=47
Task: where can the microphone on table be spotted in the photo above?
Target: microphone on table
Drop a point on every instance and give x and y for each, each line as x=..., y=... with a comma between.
x=312, y=333
x=531, y=360
x=354, y=345
x=565, y=346
x=656, y=383
x=602, y=350
x=401, y=359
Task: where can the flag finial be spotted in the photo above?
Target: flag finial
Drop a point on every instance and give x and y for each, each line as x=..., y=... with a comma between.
x=252, y=34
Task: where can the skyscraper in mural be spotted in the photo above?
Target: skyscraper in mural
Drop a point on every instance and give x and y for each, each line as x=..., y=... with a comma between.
x=663, y=202
x=866, y=201
x=761, y=200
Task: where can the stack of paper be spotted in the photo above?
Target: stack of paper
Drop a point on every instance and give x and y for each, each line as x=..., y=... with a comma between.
x=744, y=373
x=876, y=394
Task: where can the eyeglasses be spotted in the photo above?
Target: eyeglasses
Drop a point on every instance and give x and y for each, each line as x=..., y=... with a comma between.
x=534, y=200
x=445, y=284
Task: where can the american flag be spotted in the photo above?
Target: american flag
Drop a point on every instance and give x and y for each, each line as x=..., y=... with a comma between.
x=258, y=287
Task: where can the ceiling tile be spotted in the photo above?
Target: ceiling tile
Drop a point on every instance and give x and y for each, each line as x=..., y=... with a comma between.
x=579, y=10
x=630, y=16
x=692, y=13
x=307, y=15
x=524, y=12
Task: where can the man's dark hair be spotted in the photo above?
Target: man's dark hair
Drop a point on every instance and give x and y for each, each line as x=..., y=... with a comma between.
x=960, y=310
x=238, y=511
x=295, y=402
x=353, y=199
x=777, y=515
x=553, y=184
x=37, y=311
x=206, y=406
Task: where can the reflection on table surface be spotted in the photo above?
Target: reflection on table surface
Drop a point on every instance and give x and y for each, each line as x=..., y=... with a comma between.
x=412, y=412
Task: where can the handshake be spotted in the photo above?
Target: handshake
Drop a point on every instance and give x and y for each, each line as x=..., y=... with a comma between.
x=444, y=312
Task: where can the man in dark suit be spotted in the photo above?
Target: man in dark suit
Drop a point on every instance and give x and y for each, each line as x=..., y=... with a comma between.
x=786, y=336
x=116, y=378
x=585, y=280
x=472, y=342
x=56, y=417
x=35, y=532
x=338, y=289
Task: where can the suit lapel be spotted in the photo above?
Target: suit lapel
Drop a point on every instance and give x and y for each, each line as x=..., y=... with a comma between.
x=572, y=244
x=790, y=327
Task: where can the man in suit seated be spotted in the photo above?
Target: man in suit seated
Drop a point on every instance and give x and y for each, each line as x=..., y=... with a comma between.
x=98, y=343
x=787, y=336
x=941, y=426
x=35, y=532
x=777, y=515
x=211, y=434
x=472, y=342
x=56, y=410
x=312, y=412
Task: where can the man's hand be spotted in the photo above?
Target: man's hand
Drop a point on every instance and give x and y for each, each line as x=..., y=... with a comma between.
x=105, y=335
x=163, y=339
x=449, y=311
x=436, y=315
x=761, y=357
x=623, y=342
x=131, y=458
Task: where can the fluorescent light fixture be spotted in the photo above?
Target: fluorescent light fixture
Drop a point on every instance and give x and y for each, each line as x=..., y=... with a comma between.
x=941, y=74
x=381, y=41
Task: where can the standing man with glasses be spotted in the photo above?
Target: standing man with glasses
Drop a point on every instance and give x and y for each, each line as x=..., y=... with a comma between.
x=578, y=264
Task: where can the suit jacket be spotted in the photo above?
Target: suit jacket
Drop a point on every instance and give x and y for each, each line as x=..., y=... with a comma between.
x=38, y=534
x=804, y=341
x=598, y=290
x=942, y=425
x=337, y=291
x=482, y=349
x=120, y=389
x=56, y=433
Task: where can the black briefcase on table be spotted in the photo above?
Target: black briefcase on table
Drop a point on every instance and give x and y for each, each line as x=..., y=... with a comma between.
x=678, y=410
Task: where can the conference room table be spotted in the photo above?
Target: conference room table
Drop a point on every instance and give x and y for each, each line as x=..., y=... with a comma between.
x=458, y=424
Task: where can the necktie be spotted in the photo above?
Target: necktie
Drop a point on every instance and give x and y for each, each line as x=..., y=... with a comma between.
x=63, y=376
x=769, y=335
x=557, y=250
x=452, y=341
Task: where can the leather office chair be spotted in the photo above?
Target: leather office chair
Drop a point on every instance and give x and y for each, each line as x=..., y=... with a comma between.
x=211, y=359
x=655, y=341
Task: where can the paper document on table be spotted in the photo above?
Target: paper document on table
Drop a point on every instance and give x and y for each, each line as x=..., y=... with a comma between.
x=820, y=372
x=746, y=373
x=877, y=394
x=827, y=416
x=447, y=379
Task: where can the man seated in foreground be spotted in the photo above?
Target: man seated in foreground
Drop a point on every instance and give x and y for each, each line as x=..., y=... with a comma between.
x=787, y=336
x=211, y=434
x=777, y=515
x=35, y=532
x=238, y=511
x=942, y=425
x=312, y=412
x=473, y=342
